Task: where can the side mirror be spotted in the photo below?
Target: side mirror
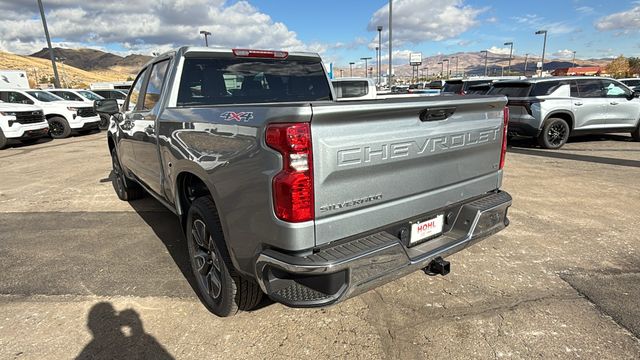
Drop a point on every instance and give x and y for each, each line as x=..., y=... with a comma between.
x=106, y=106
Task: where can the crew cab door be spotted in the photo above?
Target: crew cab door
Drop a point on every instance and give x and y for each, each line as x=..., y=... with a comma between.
x=129, y=129
x=143, y=134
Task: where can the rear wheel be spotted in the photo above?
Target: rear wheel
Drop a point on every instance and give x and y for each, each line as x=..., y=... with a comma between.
x=3, y=140
x=104, y=122
x=636, y=133
x=222, y=290
x=126, y=189
x=59, y=127
x=555, y=134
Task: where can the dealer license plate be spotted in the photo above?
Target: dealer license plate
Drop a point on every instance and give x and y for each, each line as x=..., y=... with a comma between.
x=426, y=229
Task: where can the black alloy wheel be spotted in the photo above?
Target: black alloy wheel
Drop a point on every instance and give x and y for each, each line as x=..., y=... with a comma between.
x=205, y=259
x=126, y=189
x=554, y=134
x=59, y=128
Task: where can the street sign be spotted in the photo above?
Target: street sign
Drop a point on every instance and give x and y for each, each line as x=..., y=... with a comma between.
x=415, y=59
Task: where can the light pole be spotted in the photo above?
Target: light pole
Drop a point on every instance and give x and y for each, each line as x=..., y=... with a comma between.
x=390, y=43
x=510, y=43
x=351, y=69
x=447, y=61
x=486, y=55
x=206, y=35
x=526, y=60
x=366, y=70
x=544, y=48
x=377, y=65
x=56, y=79
x=379, y=59
x=574, y=59
x=441, y=70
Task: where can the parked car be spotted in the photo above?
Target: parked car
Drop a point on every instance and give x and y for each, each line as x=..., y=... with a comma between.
x=86, y=96
x=436, y=84
x=631, y=82
x=63, y=116
x=282, y=190
x=553, y=109
x=25, y=123
x=119, y=95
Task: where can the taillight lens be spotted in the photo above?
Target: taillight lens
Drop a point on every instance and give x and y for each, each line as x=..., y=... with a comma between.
x=293, y=185
x=505, y=128
x=269, y=54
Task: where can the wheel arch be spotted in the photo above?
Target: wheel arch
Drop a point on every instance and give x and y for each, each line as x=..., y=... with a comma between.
x=561, y=114
x=50, y=116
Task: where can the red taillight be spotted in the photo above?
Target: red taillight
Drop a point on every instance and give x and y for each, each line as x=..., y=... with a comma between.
x=505, y=128
x=293, y=185
x=269, y=54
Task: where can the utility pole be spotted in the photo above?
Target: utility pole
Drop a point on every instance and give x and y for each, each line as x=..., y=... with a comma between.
x=56, y=79
x=486, y=55
x=510, y=43
x=390, y=43
x=526, y=59
x=206, y=37
x=544, y=48
x=574, y=59
x=351, y=69
x=377, y=65
x=457, y=71
x=366, y=69
x=379, y=59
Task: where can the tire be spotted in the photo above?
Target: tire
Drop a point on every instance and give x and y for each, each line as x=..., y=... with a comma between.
x=555, y=134
x=221, y=289
x=3, y=140
x=104, y=122
x=126, y=189
x=635, y=134
x=59, y=127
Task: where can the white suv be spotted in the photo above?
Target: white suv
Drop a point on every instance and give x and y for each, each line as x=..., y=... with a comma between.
x=63, y=116
x=21, y=122
x=86, y=96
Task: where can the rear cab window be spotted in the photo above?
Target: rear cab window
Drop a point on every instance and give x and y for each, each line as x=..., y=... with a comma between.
x=236, y=80
x=453, y=87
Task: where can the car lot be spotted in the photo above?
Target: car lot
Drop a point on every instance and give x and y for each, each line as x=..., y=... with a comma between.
x=560, y=282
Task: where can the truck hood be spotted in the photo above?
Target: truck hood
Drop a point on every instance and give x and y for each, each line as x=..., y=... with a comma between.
x=18, y=107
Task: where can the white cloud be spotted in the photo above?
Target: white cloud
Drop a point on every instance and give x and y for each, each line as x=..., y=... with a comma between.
x=499, y=50
x=418, y=21
x=586, y=10
x=139, y=26
x=535, y=22
x=563, y=54
x=627, y=21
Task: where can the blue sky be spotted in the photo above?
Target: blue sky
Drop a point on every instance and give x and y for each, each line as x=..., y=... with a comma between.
x=571, y=26
x=341, y=31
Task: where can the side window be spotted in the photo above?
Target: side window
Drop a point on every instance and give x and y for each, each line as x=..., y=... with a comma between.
x=4, y=96
x=591, y=88
x=154, y=85
x=574, y=89
x=17, y=98
x=613, y=89
x=545, y=88
x=134, y=95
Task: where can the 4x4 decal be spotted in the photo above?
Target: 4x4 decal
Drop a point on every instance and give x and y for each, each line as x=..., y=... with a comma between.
x=237, y=116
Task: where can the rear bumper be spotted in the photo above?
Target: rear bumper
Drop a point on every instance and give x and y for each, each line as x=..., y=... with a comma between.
x=357, y=265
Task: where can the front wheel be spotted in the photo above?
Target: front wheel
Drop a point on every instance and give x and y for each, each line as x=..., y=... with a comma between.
x=222, y=290
x=104, y=122
x=3, y=140
x=555, y=134
x=59, y=127
x=126, y=189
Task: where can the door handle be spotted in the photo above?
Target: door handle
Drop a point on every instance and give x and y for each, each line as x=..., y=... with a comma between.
x=578, y=103
x=614, y=103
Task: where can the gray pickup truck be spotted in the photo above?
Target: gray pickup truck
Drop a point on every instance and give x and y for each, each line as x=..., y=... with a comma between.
x=283, y=191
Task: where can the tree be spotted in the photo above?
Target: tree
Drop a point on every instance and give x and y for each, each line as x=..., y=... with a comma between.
x=634, y=65
x=619, y=67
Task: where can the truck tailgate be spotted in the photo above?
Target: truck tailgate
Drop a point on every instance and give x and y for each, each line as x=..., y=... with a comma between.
x=380, y=162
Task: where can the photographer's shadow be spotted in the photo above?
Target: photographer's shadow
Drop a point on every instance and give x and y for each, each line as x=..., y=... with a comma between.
x=119, y=336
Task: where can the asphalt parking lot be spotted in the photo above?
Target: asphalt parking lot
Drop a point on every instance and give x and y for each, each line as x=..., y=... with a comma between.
x=84, y=274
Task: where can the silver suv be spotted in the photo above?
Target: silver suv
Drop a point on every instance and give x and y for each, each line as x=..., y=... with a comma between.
x=552, y=109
